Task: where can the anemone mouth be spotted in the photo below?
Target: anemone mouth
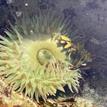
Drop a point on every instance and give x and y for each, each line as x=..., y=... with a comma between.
x=44, y=56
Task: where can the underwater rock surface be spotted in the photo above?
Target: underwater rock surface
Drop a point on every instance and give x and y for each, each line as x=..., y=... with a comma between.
x=90, y=18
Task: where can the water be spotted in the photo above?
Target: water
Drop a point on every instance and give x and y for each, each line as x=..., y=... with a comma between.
x=84, y=17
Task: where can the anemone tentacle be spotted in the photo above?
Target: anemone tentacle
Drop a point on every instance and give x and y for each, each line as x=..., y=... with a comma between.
x=33, y=65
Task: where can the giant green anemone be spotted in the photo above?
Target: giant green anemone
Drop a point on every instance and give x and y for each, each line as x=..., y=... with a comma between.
x=32, y=63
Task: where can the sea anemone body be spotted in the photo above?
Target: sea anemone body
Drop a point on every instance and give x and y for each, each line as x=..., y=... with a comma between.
x=32, y=63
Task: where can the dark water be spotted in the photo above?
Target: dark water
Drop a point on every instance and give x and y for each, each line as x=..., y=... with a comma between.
x=90, y=20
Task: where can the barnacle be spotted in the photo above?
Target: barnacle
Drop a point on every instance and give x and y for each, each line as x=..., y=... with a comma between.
x=32, y=63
